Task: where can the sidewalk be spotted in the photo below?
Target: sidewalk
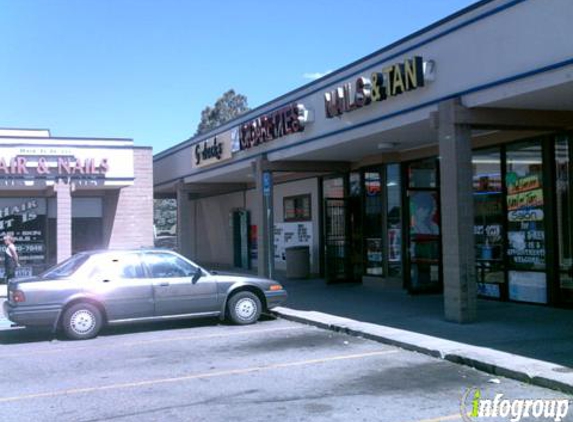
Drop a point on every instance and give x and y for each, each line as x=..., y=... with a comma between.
x=542, y=337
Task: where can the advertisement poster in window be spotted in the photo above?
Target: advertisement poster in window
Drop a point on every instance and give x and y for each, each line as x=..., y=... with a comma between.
x=526, y=233
x=424, y=216
x=25, y=220
x=374, y=256
x=424, y=240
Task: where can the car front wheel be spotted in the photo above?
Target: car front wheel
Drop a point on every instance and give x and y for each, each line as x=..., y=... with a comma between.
x=244, y=308
x=82, y=321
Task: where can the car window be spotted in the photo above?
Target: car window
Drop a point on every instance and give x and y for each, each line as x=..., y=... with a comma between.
x=66, y=268
x=165, y=265
x=126, y=266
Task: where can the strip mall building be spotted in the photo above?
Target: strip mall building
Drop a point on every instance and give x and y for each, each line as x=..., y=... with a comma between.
x=60, y=196
x=442, y=160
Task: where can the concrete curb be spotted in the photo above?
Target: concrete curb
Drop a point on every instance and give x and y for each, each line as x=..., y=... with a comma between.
x=532, y=371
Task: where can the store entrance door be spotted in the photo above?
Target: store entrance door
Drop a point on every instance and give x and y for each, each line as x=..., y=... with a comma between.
x=342, y=228
x=336, y=242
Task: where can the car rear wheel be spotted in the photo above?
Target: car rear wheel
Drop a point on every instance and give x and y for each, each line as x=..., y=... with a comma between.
x=82, y=321
x=244, y=308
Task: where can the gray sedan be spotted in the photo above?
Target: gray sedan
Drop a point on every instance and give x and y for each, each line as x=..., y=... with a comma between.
x=92, y=289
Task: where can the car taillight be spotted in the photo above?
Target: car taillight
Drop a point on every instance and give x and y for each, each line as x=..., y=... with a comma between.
x=18, y=296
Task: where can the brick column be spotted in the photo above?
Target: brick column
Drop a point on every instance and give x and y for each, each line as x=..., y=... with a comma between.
x=265, y=225
x=185, y=223
x=63, y=219
x=460, y=292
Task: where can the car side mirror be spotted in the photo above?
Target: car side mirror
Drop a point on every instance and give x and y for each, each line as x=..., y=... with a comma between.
x=197, y=275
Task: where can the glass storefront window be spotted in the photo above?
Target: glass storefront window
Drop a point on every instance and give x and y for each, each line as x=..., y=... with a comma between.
x=525, y=222
x=25, y=220
x=424, y=238
x=422, y=174
x=373, y=222
x=489, y=219
x=564, y=209
x=333, y=188
x=394, y=220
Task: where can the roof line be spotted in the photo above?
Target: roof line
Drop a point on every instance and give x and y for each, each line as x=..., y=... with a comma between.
x=428, y=103
x=244, y=117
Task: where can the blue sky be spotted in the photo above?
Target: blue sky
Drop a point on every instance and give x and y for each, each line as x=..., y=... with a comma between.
x=144, y=69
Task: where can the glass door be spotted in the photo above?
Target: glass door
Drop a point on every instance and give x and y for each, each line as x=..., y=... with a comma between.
x=423, y=244
x=336, y=239
x=372, y=227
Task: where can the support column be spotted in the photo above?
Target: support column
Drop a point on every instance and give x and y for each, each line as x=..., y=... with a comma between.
x=460, y=292
x=265, y=224
x=63, y=219
x=185, y=223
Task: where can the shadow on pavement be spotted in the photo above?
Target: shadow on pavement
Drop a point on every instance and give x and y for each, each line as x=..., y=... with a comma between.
x=533, y=331
x=33, y=335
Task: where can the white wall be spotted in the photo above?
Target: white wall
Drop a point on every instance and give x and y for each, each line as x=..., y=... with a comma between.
x=214, y=230
x=300, y=187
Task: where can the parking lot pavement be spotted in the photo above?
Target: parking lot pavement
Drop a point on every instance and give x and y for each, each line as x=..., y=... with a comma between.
x=275, y=370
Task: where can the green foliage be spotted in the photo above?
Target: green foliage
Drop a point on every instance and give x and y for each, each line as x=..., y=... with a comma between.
x=165, y=216
x=227, y=107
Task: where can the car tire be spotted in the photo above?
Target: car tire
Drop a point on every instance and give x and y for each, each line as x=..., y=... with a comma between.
x=82, y=321
x=244, y=308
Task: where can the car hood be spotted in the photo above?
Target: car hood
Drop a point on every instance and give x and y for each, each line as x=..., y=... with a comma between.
x=232, y=277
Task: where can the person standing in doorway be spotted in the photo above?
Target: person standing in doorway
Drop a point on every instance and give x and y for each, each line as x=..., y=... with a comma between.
x=11, y=260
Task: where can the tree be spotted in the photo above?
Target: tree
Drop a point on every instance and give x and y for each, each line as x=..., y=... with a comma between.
x=227, y=107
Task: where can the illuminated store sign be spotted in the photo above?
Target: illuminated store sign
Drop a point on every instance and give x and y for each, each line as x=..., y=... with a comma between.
x=389, y=82
x=212, y=150
x=279, y=123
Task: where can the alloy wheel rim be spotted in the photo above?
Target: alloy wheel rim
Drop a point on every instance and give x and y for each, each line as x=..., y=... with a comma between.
x=82, y=321
x=245, y=308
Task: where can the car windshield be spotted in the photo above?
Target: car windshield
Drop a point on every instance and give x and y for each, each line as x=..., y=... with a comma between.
x=66, y=268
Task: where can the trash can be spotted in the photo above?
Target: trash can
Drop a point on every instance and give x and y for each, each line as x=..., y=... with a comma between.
x=297, y=262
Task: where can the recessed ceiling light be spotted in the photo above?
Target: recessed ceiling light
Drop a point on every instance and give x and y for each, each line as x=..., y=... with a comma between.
x=386, y=145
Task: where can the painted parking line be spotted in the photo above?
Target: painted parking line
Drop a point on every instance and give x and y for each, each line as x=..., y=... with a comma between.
x=204, y=375
x=160, y=340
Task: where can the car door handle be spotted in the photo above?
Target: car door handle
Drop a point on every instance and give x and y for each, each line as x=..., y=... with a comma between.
x=105, y=281
x=164, y=283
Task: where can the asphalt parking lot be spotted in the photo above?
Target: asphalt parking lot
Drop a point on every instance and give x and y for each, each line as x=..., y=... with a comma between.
x=207, y=371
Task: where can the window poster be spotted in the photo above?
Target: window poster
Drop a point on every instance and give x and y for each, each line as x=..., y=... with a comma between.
x=374, y=256
x=424, y=245
x=25, y=220
x=424, y=216
x=526, y=233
